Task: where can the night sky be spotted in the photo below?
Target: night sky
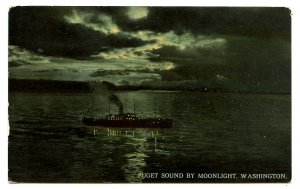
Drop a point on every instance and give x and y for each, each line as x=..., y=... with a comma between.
x=240, y=49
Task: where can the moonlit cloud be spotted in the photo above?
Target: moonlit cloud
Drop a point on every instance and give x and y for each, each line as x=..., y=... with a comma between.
x=233, y=48
x=100, y=22
x=21, y=57
x=25, y=64
x=136, y=13
x=180, y=40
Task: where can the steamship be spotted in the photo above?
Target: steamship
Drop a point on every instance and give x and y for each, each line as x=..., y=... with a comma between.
x=127, y=120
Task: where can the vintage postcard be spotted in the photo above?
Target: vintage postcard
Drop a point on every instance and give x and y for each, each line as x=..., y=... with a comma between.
x=149, y=94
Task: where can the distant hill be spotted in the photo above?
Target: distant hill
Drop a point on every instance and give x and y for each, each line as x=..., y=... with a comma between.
x=26, y=85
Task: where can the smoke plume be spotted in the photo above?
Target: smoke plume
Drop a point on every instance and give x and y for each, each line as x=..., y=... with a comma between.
x=104, y=89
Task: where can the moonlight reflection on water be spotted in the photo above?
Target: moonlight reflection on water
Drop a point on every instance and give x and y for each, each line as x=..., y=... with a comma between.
x=211, y=132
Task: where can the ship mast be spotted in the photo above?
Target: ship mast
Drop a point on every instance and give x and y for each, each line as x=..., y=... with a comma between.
x=92, y=109
x=109, y=108
x=93, y=85
x=134, y=106
x=92, y=99
x=154, y=107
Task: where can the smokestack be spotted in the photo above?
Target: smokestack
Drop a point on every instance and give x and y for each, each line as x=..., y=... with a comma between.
x=114, y=99
x=103, y=89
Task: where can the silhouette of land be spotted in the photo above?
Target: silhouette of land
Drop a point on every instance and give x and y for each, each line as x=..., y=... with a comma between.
x=55, y=86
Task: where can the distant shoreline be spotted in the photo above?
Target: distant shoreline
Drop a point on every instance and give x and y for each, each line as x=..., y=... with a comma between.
x=55, y=86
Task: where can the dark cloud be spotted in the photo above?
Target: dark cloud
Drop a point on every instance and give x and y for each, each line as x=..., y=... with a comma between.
x=108, y=72
x=248, y=64
x=243, y=49
x=16, y=63
x=187, y=56
x=126, y=71
x=245, y=21
x=251, y=21
x=191, y=63
x=51, y=70
x=44, y=30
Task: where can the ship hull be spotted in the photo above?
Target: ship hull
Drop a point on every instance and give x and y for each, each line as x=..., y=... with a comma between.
x=140, y=123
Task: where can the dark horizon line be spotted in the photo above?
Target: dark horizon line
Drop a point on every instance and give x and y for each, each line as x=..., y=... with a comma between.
x=63, y=86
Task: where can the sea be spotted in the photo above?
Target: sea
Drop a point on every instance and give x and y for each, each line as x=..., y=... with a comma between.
x=213, y=135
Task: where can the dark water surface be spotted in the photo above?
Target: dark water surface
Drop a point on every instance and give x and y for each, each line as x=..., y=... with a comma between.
x=212, y=133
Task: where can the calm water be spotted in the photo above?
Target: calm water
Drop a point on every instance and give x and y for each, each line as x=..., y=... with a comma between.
x=212, y=133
